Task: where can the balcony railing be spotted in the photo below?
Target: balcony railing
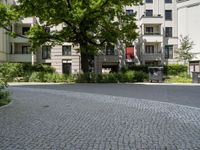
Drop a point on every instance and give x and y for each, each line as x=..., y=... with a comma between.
x=149, y=16
x=21, y=57
x=152, y=33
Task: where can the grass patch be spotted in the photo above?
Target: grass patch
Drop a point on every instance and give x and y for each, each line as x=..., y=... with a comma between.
x=178, y=79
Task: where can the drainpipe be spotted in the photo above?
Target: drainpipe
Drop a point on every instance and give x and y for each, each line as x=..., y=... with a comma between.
x=32, y=58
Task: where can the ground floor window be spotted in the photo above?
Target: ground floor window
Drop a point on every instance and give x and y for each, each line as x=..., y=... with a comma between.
x=46, y=52
x=168, y=51
x=25, y=49
x=149, y=49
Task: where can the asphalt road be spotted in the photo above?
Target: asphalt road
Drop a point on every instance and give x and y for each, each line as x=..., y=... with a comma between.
x=183, y=95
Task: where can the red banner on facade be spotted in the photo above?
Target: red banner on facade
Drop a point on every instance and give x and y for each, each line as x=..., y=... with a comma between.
x=129, y=52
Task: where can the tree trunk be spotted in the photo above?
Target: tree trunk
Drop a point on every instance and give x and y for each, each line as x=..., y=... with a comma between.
x=84, y=62
x=84, y=57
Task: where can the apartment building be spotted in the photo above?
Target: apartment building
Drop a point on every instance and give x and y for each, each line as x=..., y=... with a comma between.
x=189, y=25
x=4, y=38
x=157, y=27
x=156, y=45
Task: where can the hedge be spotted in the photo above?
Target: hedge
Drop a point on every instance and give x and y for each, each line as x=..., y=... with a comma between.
x=129, y=76
x=172, y=69
x=13, y=71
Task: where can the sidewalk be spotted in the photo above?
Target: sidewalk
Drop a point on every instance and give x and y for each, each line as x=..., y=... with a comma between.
x=171, y=84
x=139, y=83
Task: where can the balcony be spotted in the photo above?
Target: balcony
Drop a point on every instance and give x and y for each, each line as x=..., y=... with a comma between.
x=29, y=20
x=151, y=19
x=152, y=56
x=18, y=40
x=108, y=58
x=21, y=58
x=152, y=38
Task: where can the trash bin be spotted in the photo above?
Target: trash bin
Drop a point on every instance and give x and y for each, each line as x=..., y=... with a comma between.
x=195, y=77
x=156, y=74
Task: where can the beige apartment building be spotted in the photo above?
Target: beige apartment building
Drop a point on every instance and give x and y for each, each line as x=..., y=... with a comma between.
x=158, y=30
x=156, y=44
x=157, y=41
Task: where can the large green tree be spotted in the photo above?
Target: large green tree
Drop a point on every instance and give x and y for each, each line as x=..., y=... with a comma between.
x=89, y=23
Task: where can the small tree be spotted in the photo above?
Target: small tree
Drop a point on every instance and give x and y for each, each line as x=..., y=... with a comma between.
x=183, y=51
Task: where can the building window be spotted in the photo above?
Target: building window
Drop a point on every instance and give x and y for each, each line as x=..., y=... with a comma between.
x=11, y=49
x=149, y=13
x=25, y=30
x=46, y=52
x=168, y=1
x=149, y=1
x=168, y=14
x=168, y=31
x=110, y=50
x=149, y=30
x=149, y=49
x=25, y=50
x=129, y=11
x=66, y=50
x=169, y=52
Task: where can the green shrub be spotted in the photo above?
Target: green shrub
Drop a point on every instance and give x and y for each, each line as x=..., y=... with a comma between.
x=143, y=68
x=172, y=69
x=178, y=79
x=109, y=78
x=175, y=69
x=36, y=77
x=28, y=68
x=4, y=94
x=55, y=77
x=129, y=76
x=9, y=71
x=140, y=76
x=4, y=97
x=83, y=78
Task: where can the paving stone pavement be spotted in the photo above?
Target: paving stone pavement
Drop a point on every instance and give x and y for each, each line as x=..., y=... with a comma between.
x=41, y=119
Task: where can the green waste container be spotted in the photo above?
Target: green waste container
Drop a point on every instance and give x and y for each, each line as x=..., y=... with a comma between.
x=156, y=74
x=195, y=77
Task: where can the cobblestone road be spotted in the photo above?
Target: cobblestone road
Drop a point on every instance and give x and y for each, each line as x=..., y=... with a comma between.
x=41, y=119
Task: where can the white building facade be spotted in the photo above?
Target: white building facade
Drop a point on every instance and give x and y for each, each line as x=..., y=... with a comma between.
x=157, y=27
x=189, y=25
x=4, y=38
x=159, y=23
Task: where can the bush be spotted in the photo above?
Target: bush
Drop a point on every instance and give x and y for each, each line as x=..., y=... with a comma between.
x=9, y=71
x=36, y=77
x=140, y=76
x=143, y=68
x=22, y=71
x=175, y=69
x=55, y=77
x=178, y=79
x=129, y=76
x=28, y=68
x=4, y=94
x=50, y=77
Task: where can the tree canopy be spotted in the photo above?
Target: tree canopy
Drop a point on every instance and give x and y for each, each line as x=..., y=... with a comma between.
x=89, y=23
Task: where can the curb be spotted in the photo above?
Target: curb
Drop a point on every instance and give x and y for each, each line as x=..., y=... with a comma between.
x=137, y=83
x=168, y=84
